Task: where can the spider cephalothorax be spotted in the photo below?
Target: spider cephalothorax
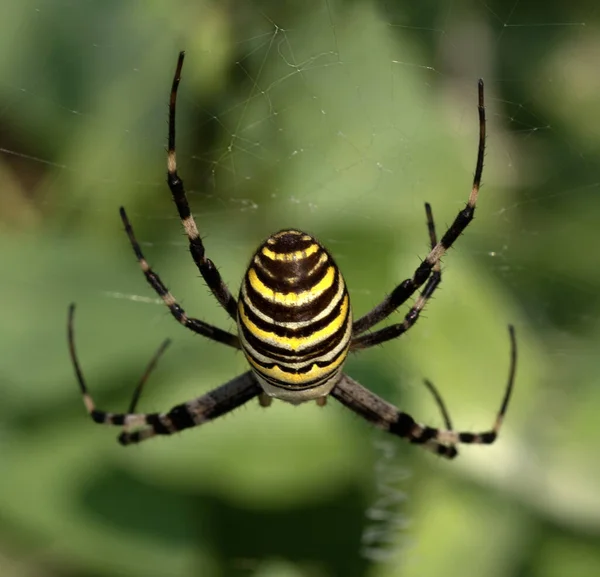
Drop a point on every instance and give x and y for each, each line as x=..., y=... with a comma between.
x=295, y=326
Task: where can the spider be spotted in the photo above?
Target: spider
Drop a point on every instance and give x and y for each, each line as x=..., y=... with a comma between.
x=295, y=326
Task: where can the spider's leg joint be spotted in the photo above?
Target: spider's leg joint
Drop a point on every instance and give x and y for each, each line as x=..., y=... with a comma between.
x=449, y=452
x=403, y=425
x=468, y=213
x=98, y=416
x=180, y=418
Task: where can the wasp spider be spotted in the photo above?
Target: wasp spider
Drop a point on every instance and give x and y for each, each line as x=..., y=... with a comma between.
x=295, y=326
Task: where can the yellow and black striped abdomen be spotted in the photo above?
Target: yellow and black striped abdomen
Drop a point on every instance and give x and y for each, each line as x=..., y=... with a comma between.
x=294, y=317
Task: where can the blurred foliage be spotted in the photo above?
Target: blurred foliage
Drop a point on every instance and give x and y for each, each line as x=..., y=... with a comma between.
x=340, y=117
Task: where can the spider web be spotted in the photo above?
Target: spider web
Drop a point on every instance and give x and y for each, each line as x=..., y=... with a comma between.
x=340, y=118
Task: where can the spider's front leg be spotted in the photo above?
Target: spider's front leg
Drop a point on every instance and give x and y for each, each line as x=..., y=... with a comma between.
x=196, y=412
x=384, y=415
x=141, y=426
x=387, y=417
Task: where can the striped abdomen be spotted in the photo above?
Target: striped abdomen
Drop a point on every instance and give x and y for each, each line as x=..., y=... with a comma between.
x=294, y=317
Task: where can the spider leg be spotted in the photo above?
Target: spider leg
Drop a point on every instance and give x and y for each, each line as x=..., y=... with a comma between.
x=195, y=412
x=393, y=331
x=137, y=393
x=387, y=417
x=138, y=389
x=445, y=415
x=407, y=288
x=151, y=366
x=180, y=315
x=206, y=267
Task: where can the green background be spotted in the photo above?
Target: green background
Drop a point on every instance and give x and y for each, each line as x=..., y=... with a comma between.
x=341, y=118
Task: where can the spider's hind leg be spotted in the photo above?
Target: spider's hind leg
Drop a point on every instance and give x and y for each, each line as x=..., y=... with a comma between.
x=207, y=268
x=407, y=287
x=412, y=316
